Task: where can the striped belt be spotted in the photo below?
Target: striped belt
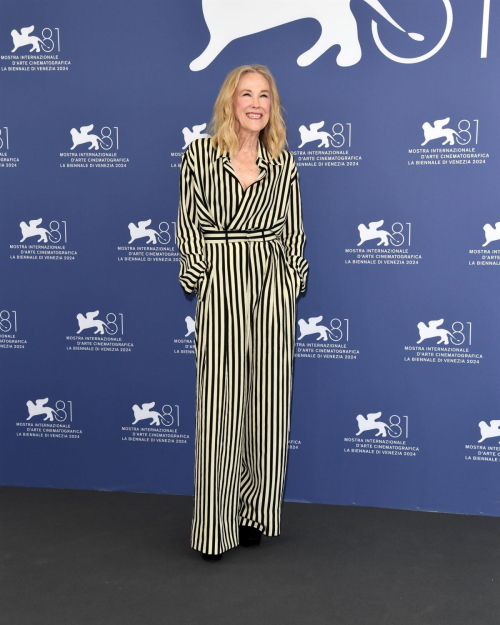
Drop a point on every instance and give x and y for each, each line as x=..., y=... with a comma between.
x=214, y=236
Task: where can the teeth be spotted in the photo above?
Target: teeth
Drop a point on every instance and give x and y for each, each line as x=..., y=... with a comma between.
x=256, y=115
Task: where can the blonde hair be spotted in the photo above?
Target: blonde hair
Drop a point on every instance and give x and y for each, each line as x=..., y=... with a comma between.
x=223, y=122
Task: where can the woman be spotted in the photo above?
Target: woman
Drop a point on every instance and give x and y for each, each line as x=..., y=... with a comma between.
x=241, y=239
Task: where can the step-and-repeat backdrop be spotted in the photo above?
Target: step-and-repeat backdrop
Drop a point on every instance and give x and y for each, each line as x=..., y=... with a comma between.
x=392, y=111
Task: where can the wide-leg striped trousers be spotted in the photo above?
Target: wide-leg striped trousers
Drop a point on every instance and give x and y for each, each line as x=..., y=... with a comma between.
x=244, y=344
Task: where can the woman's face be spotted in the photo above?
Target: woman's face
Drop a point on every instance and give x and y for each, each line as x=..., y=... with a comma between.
x=252, y=96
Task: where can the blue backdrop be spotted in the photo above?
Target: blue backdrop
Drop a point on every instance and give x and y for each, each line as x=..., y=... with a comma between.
x=395, y=128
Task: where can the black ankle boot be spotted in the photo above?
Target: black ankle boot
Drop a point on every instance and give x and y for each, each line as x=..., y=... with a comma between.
x=249, y=536
x=212, y=556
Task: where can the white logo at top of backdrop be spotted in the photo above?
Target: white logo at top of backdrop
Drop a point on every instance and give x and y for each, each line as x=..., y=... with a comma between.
x=338, y=27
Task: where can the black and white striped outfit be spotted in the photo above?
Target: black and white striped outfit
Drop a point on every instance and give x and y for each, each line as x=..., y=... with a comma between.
x=242, y=254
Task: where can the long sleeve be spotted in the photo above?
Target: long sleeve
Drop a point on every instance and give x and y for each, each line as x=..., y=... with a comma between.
x=293, y=234
x=188, y=237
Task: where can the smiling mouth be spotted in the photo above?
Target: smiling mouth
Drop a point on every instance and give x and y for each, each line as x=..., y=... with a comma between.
x=254, y=115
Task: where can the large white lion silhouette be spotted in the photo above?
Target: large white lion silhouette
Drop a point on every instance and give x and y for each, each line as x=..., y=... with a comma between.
x=225, y=21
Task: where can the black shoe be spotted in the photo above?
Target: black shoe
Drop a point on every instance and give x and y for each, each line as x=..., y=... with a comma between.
x=212, y=556
x=249, y=536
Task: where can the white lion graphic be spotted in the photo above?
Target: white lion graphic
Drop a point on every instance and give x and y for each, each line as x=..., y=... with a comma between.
x=372, y=232
x=82, y=136
x=338, y=27
x=491, y=234
x=191, y=135
x=308, y=135
x=189, y=325
x=145, y=412
x=438, y=131
x=489, y=431
x=90, y=321
x=311, y=327
x=432, y=330
x=31, y=229
x=142, y=230
x=24, y=38
x=370, y=423
x=39, y=408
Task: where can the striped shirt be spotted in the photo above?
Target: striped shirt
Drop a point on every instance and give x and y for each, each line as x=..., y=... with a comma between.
x=211, y=197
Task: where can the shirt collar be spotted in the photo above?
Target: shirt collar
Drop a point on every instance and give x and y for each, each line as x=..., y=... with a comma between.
x=263, y=156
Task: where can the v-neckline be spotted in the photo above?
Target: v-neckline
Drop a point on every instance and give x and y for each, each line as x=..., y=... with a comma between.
x=239, y=181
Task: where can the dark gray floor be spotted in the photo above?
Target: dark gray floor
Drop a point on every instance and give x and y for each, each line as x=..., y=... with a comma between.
x=98, y=558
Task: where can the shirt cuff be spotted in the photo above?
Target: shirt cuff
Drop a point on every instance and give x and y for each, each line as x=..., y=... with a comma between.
x=190, y=276
x=301, y=266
